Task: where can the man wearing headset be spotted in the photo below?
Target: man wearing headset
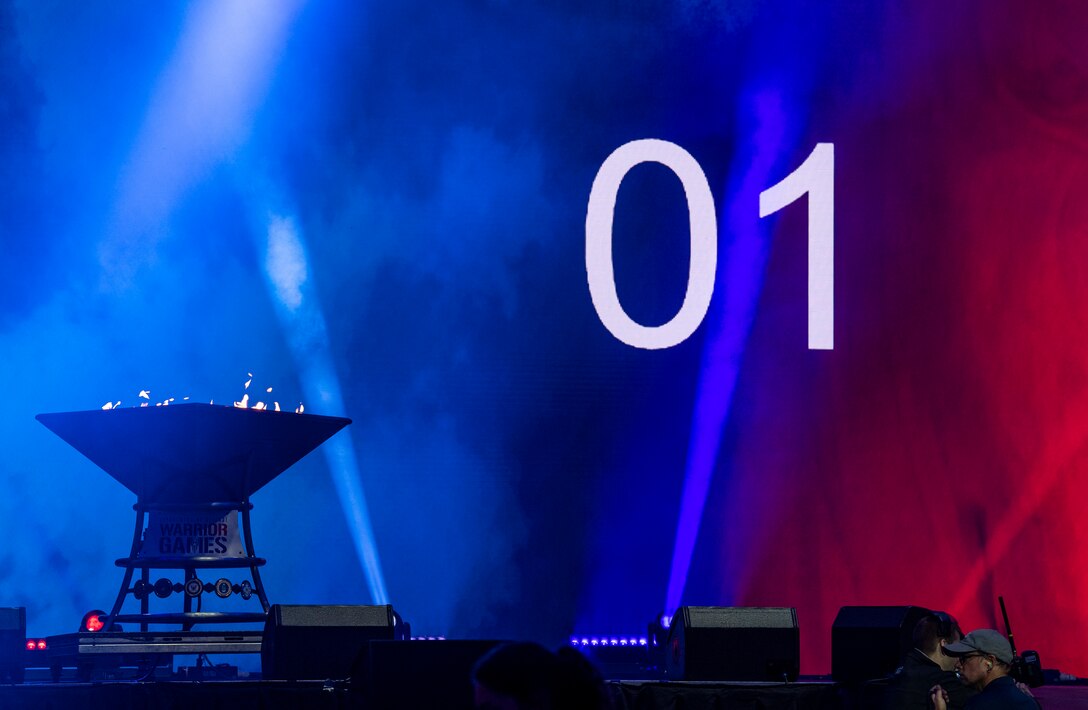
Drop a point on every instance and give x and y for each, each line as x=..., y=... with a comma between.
x=925, y=667
x=983, y=658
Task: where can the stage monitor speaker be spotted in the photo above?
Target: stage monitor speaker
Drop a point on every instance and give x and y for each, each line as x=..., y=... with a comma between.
x=320, y=642
x=733, y=643
x=12, y=644
x=422, y=674
x=869, y=642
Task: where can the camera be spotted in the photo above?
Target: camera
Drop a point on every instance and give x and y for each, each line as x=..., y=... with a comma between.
x=1027, y=669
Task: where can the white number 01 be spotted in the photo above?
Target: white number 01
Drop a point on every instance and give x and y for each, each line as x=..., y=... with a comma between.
x=814, y=177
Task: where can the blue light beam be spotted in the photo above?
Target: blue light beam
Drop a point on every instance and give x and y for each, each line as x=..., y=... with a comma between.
x=728, y=327
x=286, y=269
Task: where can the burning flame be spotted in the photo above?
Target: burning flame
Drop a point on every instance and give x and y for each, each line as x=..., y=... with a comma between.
x=242, y=404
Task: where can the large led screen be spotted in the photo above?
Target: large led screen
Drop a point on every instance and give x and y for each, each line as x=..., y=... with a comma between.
x=633, y=305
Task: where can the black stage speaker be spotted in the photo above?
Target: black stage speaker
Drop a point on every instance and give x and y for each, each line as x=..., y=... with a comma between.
x=320, y=642
x=12, y=644
x=869, y=642
x=733, y=643
x=422, y=674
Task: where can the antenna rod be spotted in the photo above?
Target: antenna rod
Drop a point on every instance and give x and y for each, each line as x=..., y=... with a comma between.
x=1008, y=628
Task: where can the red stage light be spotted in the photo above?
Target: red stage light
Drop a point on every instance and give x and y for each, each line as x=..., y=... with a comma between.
x=30, y=644
x=92, y=621
x=41, y=645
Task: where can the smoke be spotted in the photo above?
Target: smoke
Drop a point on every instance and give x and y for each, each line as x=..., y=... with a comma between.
x=433, y=166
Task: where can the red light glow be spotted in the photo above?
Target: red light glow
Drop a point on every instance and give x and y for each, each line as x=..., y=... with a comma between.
x=93, y=623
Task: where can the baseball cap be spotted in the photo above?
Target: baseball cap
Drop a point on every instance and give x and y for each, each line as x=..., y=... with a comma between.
x=988, y=641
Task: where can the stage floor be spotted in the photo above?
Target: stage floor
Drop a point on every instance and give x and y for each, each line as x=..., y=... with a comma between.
x=626, y=695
